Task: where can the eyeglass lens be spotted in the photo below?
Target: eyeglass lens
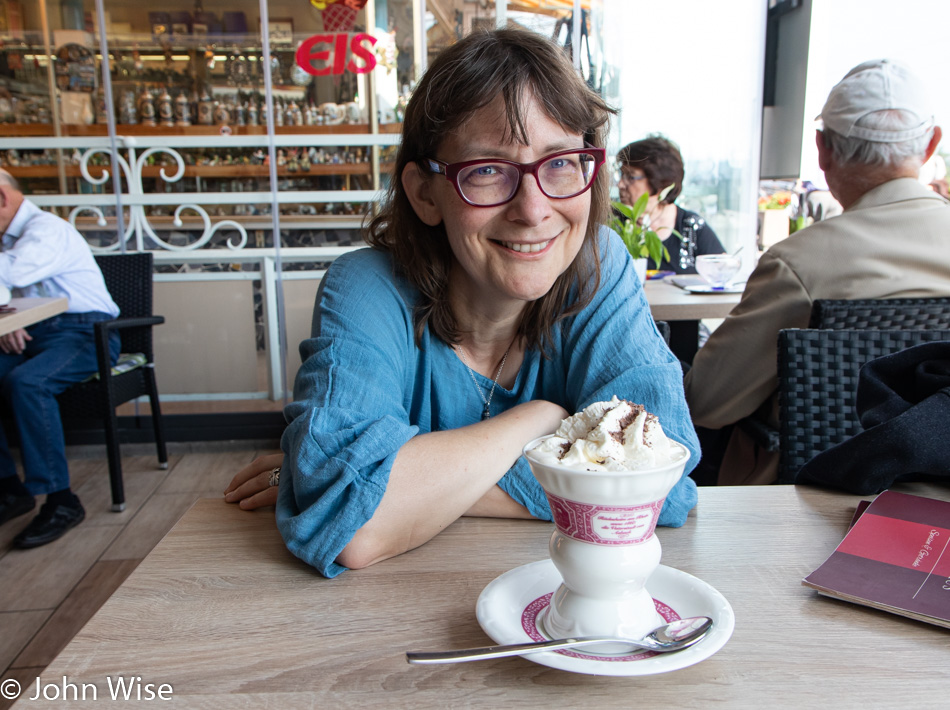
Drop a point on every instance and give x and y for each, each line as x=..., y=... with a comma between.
x=620, y=175
x=491, y=183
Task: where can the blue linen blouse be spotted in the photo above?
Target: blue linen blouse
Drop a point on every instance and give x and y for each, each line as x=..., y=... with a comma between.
x=365, y=388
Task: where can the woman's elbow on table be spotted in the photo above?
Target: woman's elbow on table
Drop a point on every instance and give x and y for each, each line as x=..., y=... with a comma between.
x=367, y=548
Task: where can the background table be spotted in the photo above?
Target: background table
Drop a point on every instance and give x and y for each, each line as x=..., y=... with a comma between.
x=226, y=616
x=29, y=311
x=683, y=311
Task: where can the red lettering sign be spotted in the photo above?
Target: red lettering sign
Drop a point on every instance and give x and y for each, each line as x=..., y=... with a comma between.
x=330, y=50
x=307, y=54
x=365, y=53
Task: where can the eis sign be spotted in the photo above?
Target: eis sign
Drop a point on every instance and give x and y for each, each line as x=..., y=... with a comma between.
x=326, y=54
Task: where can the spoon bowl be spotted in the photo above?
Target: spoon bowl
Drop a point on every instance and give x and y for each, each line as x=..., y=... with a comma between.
x=673, y=636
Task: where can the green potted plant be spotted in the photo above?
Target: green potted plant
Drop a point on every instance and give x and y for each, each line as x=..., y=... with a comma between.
x=634, y=228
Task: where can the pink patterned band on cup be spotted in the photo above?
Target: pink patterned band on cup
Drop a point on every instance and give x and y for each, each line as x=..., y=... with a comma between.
x=605, y=524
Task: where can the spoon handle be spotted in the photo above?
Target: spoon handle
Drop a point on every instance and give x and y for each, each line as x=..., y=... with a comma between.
x=517, y=649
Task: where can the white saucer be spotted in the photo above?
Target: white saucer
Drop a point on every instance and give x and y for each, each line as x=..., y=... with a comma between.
x=705, y=288
x=508, y=609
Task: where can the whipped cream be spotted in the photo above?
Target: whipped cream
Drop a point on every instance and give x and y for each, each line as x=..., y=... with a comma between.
x=609, y=436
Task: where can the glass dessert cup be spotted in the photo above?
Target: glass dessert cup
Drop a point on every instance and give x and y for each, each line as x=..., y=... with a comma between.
x=717, y=269
x=604, y=546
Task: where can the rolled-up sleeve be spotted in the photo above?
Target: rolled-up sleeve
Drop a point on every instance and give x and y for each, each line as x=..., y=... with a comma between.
x=349, y=416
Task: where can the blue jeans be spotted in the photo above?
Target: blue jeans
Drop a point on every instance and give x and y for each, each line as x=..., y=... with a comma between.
x=62, y=353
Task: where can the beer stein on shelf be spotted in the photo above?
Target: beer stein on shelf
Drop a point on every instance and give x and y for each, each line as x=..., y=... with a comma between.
x=239, y=113
x=146, y=107
x=333, y=114
x=222, y=115
x=206, y=110
x=127, y=113
x=352, y=111
x=182, y=110
x=166, y=110
x=101, y=108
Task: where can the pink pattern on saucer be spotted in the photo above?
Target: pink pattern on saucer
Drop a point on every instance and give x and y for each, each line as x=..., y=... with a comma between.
x=532, y=612
x=605, y=524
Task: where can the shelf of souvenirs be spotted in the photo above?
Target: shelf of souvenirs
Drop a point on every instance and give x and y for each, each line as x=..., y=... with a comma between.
x=147, y=44
x=45, y=130
x=188, y=222
x=38, y=172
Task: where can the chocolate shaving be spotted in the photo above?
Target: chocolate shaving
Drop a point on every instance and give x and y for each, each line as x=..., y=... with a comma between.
x=565, y=447
x=635, y=410
x=647, y=425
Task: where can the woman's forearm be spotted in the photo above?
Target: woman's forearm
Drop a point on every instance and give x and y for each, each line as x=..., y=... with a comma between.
x=440, y=476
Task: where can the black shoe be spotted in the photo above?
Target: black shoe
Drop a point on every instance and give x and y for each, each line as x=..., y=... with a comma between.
x=51, y=523
x=12, y=506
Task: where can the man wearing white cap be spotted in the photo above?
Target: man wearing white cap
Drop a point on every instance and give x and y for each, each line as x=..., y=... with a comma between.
x=890, y=242
x=43, y=255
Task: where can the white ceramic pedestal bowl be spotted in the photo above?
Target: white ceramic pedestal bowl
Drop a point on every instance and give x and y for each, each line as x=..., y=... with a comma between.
x=604, y=546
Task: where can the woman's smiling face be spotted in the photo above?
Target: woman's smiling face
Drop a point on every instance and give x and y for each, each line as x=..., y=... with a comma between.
x=514, y=251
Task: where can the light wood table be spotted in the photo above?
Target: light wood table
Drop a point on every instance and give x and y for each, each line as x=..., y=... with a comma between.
x=671, y=303
x=222, y=613
x=29, y=311
x=683, y=311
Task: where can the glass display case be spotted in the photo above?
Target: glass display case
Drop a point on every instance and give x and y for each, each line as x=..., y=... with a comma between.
x=250, y=149
x=222, y=141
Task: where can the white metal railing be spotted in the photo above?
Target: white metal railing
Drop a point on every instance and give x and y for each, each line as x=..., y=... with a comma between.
x=138, y=149
x=89, y=212
x=138, y=223
x=266, y=262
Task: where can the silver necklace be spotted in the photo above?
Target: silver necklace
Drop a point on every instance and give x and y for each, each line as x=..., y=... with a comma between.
x=486, y=413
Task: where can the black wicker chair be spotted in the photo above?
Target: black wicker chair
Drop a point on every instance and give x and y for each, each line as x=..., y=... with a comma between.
x=129, y=280
x=861, y=314
x=882, y=314
x=818, y=376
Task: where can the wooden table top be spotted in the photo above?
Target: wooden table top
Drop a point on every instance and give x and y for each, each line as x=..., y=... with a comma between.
x=671, y=303
x=29, y=311
x=221, y=612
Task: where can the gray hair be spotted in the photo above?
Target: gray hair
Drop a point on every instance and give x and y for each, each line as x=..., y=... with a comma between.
x=8, y=180
x=874, y=153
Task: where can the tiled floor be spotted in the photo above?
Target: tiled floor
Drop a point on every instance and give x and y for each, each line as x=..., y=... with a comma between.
x=47, y=594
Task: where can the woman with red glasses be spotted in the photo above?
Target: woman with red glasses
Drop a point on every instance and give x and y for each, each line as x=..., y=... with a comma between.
x=491, y=305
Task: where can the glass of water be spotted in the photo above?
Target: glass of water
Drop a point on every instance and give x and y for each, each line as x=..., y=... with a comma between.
x=717, y=269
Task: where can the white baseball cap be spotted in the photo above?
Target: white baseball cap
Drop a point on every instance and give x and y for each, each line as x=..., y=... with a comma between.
x=877, y=85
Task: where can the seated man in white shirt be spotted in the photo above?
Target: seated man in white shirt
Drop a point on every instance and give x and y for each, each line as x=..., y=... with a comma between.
x=42, y=255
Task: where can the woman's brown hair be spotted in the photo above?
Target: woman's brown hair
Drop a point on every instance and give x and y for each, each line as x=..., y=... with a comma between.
x=463, y=79
x=661, y=163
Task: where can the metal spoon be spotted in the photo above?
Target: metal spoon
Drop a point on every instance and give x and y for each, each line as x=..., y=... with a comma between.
x=670, y=637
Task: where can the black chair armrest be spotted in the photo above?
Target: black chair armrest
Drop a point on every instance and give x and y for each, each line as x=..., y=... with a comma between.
x=120, y=323
x=103, y=329
x=761, y=433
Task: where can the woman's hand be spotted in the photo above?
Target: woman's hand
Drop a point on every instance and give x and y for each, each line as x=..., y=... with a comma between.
x=251, y=488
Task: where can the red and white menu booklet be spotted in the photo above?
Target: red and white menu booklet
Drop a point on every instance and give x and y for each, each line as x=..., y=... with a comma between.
x=896, y=557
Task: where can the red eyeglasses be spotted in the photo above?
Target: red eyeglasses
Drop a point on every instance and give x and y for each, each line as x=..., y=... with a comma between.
x=493, y=182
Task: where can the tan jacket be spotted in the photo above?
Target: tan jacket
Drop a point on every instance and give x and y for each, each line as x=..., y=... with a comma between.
x=894, y=242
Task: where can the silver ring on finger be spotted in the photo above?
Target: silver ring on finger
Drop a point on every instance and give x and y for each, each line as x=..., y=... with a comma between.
x=275, y=476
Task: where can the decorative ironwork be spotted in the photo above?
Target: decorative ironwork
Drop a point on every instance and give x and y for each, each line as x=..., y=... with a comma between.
x=138, y=223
